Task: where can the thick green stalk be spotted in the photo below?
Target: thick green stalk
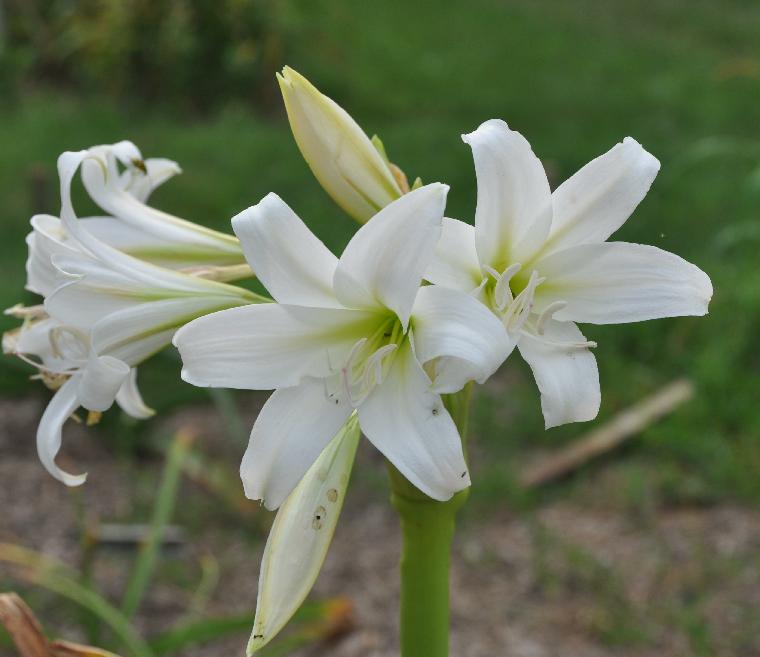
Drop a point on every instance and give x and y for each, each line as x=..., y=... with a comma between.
x=427, y=528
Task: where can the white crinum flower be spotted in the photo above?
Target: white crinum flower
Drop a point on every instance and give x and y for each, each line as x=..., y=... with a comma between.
x=351, y=333
x=105, y=313
x=353, y=169
x=541, y=262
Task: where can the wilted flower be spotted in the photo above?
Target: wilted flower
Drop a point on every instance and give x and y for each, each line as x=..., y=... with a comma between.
x=104, y=313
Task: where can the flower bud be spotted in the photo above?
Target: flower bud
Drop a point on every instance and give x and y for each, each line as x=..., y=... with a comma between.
x=346, y=162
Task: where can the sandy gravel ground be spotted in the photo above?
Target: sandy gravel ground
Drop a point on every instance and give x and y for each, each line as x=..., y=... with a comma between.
x=572, y=579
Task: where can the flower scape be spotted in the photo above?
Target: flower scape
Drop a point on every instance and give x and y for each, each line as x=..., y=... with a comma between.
x=374, y=341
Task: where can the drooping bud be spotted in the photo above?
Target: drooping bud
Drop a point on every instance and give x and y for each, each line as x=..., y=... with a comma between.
x=300, y=536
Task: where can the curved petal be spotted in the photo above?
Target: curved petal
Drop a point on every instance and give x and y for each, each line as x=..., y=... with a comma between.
x=618, y=282
x=46, y=340
x=455, y=263
x=100, y=382
x=596, y=201
x=513, y=213
x=293, y=427
x=136, y=321
x=467, y=339
x=408, y=423
x=104, y=185
x=142, y=184
x=291, y=262
x=265, y=346
x=130, y=400
x=139, y=350
x=142, y=273
x=77, y=304
x=300, y=537
x=138, y=243
x=385, y=260
x=47, y=240
x=61, y=406
x=566, y=375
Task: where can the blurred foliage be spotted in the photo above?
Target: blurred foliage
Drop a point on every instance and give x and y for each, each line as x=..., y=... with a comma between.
x=191, y=52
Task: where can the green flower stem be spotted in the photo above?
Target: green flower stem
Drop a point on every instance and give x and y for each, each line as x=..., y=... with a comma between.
x=427, y=528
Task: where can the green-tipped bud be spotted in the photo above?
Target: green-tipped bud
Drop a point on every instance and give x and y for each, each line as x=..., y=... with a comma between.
x=346, y=162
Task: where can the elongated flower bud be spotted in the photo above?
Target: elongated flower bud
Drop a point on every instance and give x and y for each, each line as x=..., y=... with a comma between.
x=346, y=162
x=301, y=535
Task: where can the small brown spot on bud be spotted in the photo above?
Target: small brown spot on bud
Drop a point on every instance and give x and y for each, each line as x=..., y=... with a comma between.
x=332, y=495
x=319, y=517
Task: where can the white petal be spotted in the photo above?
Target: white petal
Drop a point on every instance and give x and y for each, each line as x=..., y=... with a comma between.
x=137, y=242
x=265, y=346
x=157, y=171
x=408, y=423
x=567, y=376
x=140, y=320
x=341, y=156
x=140, y=272
x=79, y=305
x=291, y=262
x=104, y=185
x=385, y=260
x=130, y=400
x=293, y=427
x=48, y=239
x=139, y=350
x=34, y=339
x=100, y=382
x=467, y=338
x=597, y=200
x=61, y=406
x=513, y=213
x=301, y=535
x=455, y=263
x=617, y=282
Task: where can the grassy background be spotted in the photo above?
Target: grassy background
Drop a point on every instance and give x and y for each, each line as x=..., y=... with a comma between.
x=575, y=78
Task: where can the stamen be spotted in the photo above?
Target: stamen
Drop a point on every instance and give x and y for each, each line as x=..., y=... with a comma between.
x=502, y=291
x=546, y=315
x=490, y=270
x=519, y=310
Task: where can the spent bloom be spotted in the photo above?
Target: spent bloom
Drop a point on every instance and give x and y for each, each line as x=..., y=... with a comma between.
x=119, y=181
x=355, y=333
x=540, y=261
x=104, y=313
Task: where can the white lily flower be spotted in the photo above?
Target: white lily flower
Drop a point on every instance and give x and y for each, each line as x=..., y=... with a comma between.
x=541, y=262
x=346, y=162
x=300, y=536
x=351, y=333
x=106, y=312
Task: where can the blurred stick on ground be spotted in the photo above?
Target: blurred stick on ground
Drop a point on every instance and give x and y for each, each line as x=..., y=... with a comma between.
x=29, y=638
x=611, y=434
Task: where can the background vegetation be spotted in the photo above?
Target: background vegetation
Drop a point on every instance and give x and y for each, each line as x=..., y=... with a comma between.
x=194, y=81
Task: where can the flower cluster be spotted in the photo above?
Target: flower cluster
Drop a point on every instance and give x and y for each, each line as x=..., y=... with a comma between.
x=416, y=307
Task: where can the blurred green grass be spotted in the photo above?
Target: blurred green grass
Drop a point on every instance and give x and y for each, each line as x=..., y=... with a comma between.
x=681, y=77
